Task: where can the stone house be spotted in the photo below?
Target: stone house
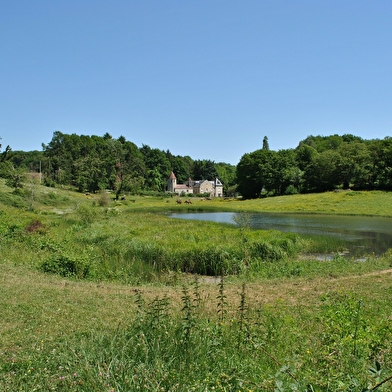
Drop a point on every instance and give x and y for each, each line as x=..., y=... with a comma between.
x=213, y=188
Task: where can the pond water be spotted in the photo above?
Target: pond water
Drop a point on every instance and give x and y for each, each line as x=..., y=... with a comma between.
x=362, y=235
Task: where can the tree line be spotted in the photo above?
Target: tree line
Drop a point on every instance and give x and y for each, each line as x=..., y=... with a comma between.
x=317, y=164
x=94, y=163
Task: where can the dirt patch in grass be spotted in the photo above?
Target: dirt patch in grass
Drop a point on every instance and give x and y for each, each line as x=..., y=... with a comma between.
x=35, y=226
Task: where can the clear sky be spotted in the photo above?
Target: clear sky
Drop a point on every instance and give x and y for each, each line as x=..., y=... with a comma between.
x=204, y=78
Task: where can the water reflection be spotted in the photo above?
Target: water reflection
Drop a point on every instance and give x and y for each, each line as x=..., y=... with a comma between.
x=362, y=235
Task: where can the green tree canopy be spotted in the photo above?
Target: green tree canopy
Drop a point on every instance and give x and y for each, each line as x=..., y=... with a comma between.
x=204, y=170
x=265, y=143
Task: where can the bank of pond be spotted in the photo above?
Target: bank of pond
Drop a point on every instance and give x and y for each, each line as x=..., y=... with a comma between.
x=359, y=235
x=266, y=245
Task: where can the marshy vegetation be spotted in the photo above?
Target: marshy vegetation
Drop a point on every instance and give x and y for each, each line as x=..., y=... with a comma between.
x=108, y=295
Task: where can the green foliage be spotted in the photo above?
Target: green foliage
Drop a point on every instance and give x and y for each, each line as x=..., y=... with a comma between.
x=227, y=175
x=28, y=161
x=267, y=251
x=189, y=316
x=318, y=164
x=86, y=214
x=162, y=347
x=157, y=168
x=348, y=337
x=267, y=171
x=127, y=244
x=104, y=199
x=66, y=266
x=287, y=334
x=91, y=163
x=249, y=180
x=204, y=170
x=322, y=174
x=5, y=155
x=265, y=143
x=181, y=166
x=14, y=178
x=291, y=190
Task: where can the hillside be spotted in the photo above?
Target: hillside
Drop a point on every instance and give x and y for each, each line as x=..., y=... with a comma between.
x=103, y=317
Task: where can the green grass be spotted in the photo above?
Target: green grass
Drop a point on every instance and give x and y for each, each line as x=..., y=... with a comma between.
x=371, y=203
x=98, y=295
x=77, y=336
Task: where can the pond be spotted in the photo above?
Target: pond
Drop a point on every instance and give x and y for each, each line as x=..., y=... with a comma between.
x=362, y=235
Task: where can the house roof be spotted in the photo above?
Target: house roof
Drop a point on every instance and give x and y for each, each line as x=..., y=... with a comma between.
x=201, y=182
x=172, y=176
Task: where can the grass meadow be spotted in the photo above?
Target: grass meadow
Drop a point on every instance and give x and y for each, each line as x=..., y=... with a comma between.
x=98, y=295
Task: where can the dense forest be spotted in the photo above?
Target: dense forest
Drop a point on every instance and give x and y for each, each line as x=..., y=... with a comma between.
x=317, y=164
x=93, y=163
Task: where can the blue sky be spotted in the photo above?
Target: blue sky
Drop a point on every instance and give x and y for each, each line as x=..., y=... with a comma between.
x=208, y=79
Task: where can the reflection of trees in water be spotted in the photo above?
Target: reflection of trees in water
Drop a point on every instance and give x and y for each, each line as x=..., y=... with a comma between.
x=371, y=242
x=242, y=220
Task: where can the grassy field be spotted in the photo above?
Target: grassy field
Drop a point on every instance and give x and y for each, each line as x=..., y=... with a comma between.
x=98, y=295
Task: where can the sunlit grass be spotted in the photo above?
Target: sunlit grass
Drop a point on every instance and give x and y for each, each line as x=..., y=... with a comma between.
x=126, y=317
x=372, y=203
x=77, y=336
x=133, y=240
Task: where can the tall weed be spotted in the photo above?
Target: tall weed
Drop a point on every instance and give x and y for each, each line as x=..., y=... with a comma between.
x=166, y=348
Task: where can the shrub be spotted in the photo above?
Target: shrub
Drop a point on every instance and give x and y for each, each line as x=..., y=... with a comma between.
x=267, y=251
x=103, y=199
x=86, y=214
x=65, y=266
x=209, y=261
x=291, y=190
x=49, y=182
